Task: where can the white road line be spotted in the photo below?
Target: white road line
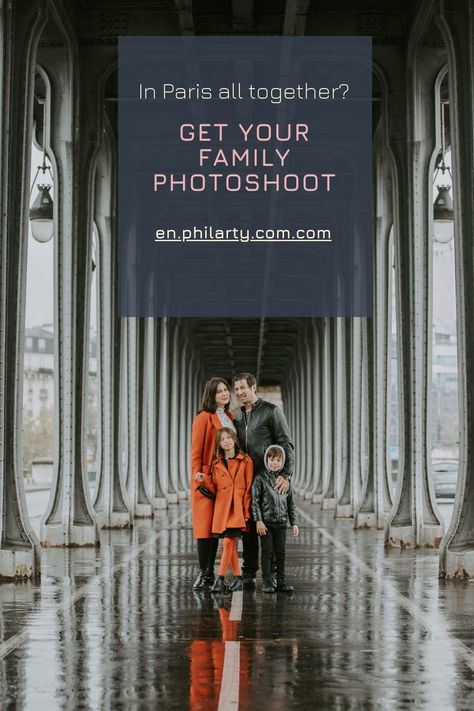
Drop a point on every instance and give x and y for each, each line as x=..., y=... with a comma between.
x=229, y=696
x=20, y=637
x=423, y=620
x=235, y=614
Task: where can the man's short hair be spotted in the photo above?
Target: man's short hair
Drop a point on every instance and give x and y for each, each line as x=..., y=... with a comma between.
x=248, y=377
x=275, y=452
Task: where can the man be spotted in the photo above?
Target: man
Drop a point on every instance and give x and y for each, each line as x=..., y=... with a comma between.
x=259, y=424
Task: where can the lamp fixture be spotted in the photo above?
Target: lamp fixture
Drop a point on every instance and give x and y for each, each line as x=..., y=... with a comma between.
x=443, y=214
x=41, y=211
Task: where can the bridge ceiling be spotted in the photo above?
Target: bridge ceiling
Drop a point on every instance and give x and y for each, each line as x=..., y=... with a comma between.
x=102, y=21
x=266, y=347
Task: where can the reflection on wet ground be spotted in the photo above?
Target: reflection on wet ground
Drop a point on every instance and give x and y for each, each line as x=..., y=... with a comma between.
x=120, y=627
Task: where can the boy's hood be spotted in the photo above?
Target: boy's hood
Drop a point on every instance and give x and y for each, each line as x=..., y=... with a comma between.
x=265, y=456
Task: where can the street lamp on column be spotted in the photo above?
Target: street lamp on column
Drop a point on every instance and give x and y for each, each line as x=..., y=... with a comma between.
x=443, y=215
x=41, y=211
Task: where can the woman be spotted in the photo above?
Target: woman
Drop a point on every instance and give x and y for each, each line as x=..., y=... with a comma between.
x=213, y=415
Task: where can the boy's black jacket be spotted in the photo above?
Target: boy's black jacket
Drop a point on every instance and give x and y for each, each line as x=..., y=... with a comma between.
x=268, y=505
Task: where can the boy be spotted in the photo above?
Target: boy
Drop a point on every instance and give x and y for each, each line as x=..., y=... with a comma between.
x=271, y=512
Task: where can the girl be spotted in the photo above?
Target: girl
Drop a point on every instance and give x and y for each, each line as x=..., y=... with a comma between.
x=213, y=415
x=231, y=481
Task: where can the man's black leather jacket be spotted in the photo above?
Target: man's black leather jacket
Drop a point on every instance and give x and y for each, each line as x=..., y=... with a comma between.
x=263, y=425
x=269, y=506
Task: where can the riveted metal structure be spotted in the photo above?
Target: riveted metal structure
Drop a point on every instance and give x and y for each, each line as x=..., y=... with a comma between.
x=333, y=373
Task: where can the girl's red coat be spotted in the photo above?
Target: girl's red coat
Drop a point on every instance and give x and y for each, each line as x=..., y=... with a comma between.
x=232, y=485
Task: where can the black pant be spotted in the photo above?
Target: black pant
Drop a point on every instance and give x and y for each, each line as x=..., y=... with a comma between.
x=207, y=549
x=273, y=546
x=250, y=552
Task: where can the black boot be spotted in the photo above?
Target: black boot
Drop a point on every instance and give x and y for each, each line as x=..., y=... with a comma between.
x=200, y=582
x=282, y=586
x=219, y=585
x=209, y=578
x=248, y=582
x=236, y=584
x=268, y=586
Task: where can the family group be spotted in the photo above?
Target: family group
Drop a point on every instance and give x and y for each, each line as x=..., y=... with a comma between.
x=241, y=466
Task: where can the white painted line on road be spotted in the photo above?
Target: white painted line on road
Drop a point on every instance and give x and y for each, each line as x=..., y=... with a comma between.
x=20, y=637
x=235, y=614
x=440, y=634
x=229, y=696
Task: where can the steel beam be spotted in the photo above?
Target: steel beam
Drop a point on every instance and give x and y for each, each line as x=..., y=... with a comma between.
x=70, y=518
x=138, y=380
x=414, y=519
x=328, y=500
x=110, y=504
x=326, y=407
x=20, y=28
x=456, y=23
x=345, y=503
x=152, y=341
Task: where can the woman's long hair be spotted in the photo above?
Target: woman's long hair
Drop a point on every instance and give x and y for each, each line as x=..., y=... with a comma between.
x=218, y=451
x=208, y=403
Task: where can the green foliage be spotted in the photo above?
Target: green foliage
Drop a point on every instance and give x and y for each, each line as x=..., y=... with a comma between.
x=38, y=435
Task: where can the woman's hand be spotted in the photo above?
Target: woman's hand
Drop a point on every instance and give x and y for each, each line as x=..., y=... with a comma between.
x=199, y=476
x=296, y=530
x=261, y=528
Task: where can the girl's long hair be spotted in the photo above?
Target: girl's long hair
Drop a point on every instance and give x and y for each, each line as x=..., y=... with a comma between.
x=218, y=451
x=208, y=402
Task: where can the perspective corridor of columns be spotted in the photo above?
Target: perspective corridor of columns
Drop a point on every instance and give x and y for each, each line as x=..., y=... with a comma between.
x=333, y=373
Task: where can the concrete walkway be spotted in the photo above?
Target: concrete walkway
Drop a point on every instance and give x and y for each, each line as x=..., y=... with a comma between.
x=120, y=627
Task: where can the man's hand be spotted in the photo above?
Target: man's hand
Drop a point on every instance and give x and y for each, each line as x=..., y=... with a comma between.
x=199, y=476
x=281, y=485
x=261, y=528
x=296, y=530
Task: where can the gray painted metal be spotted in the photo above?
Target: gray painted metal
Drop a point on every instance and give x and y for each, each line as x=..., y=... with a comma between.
x=156, y=495
x=404, y=159
x=456, y=23
x=140, y=501
x=70, y=518
x=110, y=504
x=344, y=506
x=326, y=408
x=329, y=494
x=414, y=520
x=19, y=548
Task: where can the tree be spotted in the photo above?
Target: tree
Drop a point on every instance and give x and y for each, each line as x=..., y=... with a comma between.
x=38, y=436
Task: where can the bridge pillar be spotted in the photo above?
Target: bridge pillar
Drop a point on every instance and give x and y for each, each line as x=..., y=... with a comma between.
x=156, y=496
x=75, y=80
x=164, y=406
x=185, y=416
x=139, y=388
x=330, y=367
x=345, y=503
x=20, y=28
x=316, y=413
x=371, y=512
x=381, y=325
x=325, y=410
x=414, y=519
x=302, y=431
x=175, y=377
x=110, y=502
x=456, y=23
x=309, y=413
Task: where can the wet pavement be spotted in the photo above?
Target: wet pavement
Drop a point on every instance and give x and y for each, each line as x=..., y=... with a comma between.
x=119, y=627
